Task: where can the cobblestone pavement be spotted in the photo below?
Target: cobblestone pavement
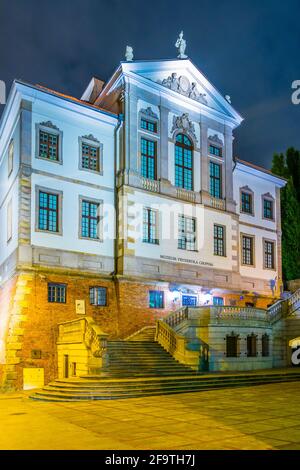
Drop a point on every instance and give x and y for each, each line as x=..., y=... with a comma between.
x=261, y=417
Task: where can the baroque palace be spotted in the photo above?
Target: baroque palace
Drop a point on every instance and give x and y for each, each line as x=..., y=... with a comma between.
x=126, y=209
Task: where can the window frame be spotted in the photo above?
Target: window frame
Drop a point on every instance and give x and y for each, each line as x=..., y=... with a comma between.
x=162, y=299
x=252, y=237
x=268, y=198
x=265, y=345
x=103, y=288
x=10, y=157
x=252, y=345
x=186, y=218
x=56, y=285
x=184, y=168
x=217, y=240
x=49, y=128
x=215, y=179
x=273, y=243
x=148, y=158
x=150, y=241
x=215, y=147
x=99, y=202
x=234, y=352
x=91, y=141
x=59, y=195
x=248, y=192
x=148, y=120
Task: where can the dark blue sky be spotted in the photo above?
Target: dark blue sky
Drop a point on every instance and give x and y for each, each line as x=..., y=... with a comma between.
x=249, y=49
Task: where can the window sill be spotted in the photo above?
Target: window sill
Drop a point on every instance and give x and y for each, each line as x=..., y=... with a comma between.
x=45, y=159
x=49, y=232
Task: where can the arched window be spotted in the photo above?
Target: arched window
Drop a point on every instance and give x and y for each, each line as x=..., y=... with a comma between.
x=183, y=162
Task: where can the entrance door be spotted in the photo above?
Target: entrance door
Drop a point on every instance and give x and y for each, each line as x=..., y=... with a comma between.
x=66, y=366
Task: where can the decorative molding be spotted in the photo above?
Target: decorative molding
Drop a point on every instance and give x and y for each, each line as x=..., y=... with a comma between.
x=268, y=196
x=216, y=140
x=183, y=86
x=246, y=188
x=91, y=137
x=183, y=123
x=149, y=112
x=49, y=124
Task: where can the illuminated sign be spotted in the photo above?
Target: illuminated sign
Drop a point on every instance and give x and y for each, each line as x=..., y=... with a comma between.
x=186, y=261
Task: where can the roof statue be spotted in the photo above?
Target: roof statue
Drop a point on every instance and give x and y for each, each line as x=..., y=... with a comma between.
x=129, y=53
x=181, y=46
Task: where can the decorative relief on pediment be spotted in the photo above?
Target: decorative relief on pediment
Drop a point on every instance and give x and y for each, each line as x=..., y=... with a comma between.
x=183, y=123
x=215, y=139
x=90, y=137
x=149, y=112
x=49, y=124
x=183, y=86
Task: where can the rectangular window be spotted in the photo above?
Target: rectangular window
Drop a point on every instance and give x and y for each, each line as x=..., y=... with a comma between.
x=48, y=212
x=150, y=226
x=10, y=157
x=251, y=345
x=269, y=251
x=148, y=125
x=265, y=345
x=216, y=151
x=246, y=202
x=98, y=296
x=9, y=221
x=186, y=233
x=57, y=293
x=268, y=209
x=90, y=157
x=218, y=301
x=156, y=299
x=247, y=250
x=231, y=346
x=148, y=156
x=219, y=240
x=215, y=180
x=48, y=146
x=189, y=301
x=90, y=219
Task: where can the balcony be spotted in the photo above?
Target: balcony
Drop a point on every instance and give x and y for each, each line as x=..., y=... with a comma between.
x=150, y=185
x=217, y=203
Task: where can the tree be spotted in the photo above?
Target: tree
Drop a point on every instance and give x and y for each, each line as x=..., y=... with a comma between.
x=289, y=167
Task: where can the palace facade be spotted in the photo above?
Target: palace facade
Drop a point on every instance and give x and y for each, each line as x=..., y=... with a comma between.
x=126, y=205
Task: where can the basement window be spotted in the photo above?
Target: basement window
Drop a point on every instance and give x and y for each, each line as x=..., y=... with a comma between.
x=57, y=293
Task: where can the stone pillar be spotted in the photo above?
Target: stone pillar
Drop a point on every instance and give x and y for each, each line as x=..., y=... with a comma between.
x=131, y=148
x=164, y=143
x=204, y=167
x=228, y=171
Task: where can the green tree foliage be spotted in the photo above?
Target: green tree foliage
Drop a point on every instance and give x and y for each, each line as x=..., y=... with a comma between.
x=288, y=166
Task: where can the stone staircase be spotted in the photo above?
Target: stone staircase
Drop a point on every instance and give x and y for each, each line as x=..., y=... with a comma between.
x=145, y=334
x=101, y=388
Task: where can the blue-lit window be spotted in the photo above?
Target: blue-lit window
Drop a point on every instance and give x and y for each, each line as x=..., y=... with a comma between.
x=247, y=205
x=189, y=301
x=219, y=240
x=90, y=219
x=183, y=162
x=148, y=155
x=268, y=209
x=98, y=296
x=150, y=226
x=186, y=233
x=48, y=146
x=90, y=157
x=48, y=212
x=156, y=299
x=215, y=186
x=148, y=125
x=218, y=301
x=214, y=150
x=57, y=293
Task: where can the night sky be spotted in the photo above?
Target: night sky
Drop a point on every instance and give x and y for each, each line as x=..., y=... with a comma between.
x=249, y=49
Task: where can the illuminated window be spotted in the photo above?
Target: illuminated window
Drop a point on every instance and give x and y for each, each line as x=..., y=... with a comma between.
x=246, y=202
x=215, y=181
x=265, y=342
x=219, y=240
x=48, y=145
x=269, y=251
x=251, y=345
x=156, y=299
x=10, y=157
x=218, y=301
x=183, y=162
x=247, y=250
x=189, y=301
x=90, y=219
x=57, y=293
x=232, y=345
x=98, y=296
x=268, y=209
x=148, y=125
x=150, y=226
x=90, y=157
x=148, y=159
x=214, y=150
x=48, y=217
x=186, y=233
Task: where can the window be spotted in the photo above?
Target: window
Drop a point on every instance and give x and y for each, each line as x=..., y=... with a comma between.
x=10, y=157
x=148, y=164
x=9, y=221
x=90, y=219
x=189, y=301
x=90, y=157
x=268, y=209
x=215, y=180
x=57, y=293
x=269, y=261
x=186, y=233
x=265, y=342
x=214, y=150
x=48, y=145
x=156, y=299
x=48, y=216
x=98, y=296
x=218, y=301
x=247, y=250
x=231, y=345
x=219, y=240
x=246, y=202
x=251, y=345
x=150, y=226
x=183, y=162
x=148, y=125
